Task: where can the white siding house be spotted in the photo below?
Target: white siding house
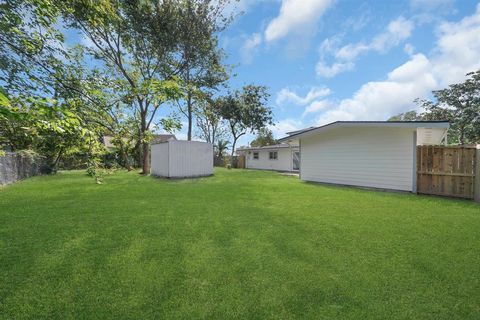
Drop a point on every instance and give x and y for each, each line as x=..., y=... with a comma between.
x=368, y=154
x=182, y=159
x=281, y=157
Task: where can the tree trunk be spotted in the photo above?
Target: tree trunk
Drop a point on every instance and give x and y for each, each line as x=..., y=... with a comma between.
x=146, y=158
x=124, y=155
x=145, y=146
x=213, y=136
x=52, y=167
x=190, y=115
x=233, y=148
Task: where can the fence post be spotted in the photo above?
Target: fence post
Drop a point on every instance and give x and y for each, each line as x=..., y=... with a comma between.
x=476, y=184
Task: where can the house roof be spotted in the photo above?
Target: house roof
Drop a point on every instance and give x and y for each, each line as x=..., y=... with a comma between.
x=158, y=138
x=273, y=146
x=107, y=141
x=299, y=131
x=402, y=124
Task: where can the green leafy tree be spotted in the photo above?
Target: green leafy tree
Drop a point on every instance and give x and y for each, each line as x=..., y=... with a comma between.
x=221, y=147
x=137, y=40
x=407, y=116
x=210, y=126
x=46, y=126
x=264, y=138
x=245, y=111
x=47, y=111
x=460, y=104
x=30, y=46
x=202, y=72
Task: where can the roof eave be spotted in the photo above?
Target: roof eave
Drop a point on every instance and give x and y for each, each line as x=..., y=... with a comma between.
x=265, y=148
x=397, y=124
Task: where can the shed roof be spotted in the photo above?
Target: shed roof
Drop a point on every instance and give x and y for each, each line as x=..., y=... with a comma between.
x=402, y=124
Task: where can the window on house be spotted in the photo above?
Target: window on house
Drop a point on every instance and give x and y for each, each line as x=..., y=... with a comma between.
x=273, y=155
x=255, y=155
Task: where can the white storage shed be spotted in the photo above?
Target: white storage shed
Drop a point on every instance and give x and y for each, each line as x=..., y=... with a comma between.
x=182, y=159
x=377, y=154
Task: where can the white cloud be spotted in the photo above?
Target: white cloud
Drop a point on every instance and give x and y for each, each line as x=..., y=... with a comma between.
x=351, y=51
x=317, y=106
x=381, y=99
x=429, y=4
x=397, y=31
x=358, y=22
x=329, y=71
x=286, y=95
x=455, y=54
x=330, y=45
x=457, y=50
x=295, y=16
x=286, y=125
x=409, y=49
x=249, y=46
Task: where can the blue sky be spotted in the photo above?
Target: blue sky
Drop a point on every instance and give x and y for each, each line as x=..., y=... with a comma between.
x=328, y=60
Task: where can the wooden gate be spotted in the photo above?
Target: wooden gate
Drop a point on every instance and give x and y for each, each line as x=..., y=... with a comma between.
x=241, y=162
x=446, y=171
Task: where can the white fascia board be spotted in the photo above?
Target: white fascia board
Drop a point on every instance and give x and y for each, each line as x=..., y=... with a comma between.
x=353, y=124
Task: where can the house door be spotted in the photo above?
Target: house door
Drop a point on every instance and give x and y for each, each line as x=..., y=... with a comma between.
x=296, y=160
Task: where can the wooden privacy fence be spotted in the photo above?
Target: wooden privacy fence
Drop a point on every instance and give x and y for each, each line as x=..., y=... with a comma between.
x=446, y=171
x=237, y=162
x=241, y=162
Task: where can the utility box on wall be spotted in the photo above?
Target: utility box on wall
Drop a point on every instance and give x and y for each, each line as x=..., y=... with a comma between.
x=182, y=159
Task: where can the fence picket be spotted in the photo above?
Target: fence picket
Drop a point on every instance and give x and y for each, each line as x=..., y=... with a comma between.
x=446, y=171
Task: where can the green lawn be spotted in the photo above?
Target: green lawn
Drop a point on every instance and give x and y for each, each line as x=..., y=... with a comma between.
x=240, y=244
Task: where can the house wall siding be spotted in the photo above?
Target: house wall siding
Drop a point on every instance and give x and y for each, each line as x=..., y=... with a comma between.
x=283, y=162
x=366, y=156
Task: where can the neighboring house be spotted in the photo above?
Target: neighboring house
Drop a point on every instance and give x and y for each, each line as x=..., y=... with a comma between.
x=279, y=157
x=157, y=138
x=378, y=154
x=107, y=141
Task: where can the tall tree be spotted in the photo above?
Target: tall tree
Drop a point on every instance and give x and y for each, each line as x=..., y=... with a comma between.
x=460, y=104
x=49, y=127
x=407, y=116
x=30, y=46
x=264, y=138
x=221, y=147
x=211, y=127
x=138, y=40
x=46, y=113
x=202, y=70
x=245, y=111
